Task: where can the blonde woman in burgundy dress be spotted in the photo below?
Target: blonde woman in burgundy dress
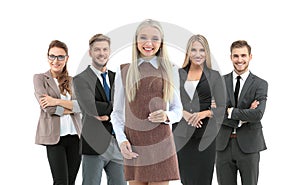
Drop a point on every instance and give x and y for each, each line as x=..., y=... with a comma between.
x=146, y=103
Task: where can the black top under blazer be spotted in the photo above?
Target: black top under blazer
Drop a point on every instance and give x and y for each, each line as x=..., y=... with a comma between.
x=210, y=86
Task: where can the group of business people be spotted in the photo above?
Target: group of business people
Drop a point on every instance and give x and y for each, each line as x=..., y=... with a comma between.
x=121, y=122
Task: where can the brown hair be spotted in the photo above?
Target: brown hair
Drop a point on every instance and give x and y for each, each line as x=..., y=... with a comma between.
x=240, y=44
x=98, y=38
x=64, y=81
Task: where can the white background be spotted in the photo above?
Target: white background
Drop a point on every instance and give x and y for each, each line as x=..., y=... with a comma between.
x=27, y=27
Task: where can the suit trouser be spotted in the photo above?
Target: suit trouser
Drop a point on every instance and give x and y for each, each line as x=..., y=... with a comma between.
x=64, y=160
x=111, y=161
x=231, y=160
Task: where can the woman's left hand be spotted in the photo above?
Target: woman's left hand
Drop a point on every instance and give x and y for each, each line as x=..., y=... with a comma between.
x=195, y=119
x=158, y=116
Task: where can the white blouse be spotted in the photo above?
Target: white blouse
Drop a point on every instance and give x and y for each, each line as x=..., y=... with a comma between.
x=66, y=122
x=190, y=87
x=173, y=109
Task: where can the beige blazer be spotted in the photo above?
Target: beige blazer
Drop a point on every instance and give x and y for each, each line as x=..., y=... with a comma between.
x=48, y=128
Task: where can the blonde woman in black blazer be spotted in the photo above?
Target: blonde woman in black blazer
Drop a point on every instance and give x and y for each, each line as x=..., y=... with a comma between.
x=202, y=94
x=59, y=123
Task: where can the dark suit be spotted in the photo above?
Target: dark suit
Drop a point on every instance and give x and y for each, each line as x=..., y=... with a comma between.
x=98, y=145
x=95, y=136
x=196, y=146
x=249, y=139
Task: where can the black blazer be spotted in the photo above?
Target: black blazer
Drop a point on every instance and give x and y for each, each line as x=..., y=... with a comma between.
x=96, y=135
x=210, y=127
x=249, y=136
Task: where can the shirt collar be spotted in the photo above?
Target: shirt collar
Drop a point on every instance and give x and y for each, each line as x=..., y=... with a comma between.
x=96, y=71
x=153, y=61
x=243, y=76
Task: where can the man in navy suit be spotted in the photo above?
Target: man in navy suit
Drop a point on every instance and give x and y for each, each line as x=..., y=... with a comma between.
x=94, y=91
x=240, y=138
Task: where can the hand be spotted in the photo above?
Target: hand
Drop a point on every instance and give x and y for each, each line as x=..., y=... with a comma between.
x=102, y=118
x=158, y=116
x=195, y=120
x=254, y=104
x=47, y=101
x=196, y=117
x=186, y=115
x=126, y=150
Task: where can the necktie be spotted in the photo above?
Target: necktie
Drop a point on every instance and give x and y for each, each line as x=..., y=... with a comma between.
x=237, y=89
x=107, y=90
x=105, y=86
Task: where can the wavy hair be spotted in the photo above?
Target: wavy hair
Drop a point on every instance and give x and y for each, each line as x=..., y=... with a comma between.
x=64, y=80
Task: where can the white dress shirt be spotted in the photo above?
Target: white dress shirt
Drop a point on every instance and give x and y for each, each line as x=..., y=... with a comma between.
x=98, y=74
x=173, y=109
x=243, y=78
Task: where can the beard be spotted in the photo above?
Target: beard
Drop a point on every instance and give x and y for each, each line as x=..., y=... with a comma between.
x=98, y=65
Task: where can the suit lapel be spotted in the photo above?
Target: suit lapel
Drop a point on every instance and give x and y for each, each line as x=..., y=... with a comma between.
x=111, y=77
x=246, y=86
x=96, y=83
x=52, y=84
x=229, y=80
x=183, y=77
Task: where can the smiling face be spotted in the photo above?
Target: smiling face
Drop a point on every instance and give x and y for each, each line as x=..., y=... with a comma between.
x=99, y=53
x=240, y=58
x=197, y=54
x=57, y=58
x=148, y=41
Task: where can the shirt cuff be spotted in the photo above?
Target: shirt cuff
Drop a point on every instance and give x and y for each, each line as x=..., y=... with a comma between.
x=241, y=123
x=169, y=115
x=59, y=110
x=230, y=112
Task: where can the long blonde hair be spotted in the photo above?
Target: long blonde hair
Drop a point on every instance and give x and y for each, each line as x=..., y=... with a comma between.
x=203, y=41
x=133, y=74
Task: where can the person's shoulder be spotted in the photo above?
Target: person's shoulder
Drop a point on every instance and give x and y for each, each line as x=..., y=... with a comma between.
x=214, y=72
x=259, y=79
x=227, y=75
x=124, y=65
x=82, y=73
x=42, y=75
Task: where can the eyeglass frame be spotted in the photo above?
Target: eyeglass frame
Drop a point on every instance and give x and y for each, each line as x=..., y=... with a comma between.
x=57, y=57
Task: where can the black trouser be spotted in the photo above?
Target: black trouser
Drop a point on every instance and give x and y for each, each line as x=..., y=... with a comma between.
x=64, y=160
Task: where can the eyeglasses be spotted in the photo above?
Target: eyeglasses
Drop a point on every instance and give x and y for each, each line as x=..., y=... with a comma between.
x=59, y=57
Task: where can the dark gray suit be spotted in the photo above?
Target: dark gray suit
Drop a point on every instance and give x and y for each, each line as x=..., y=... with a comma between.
x=95, y=136
x=98, y=145
x=242, y=153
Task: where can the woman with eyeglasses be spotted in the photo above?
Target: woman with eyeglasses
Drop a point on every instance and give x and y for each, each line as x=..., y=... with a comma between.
x=59, y=124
